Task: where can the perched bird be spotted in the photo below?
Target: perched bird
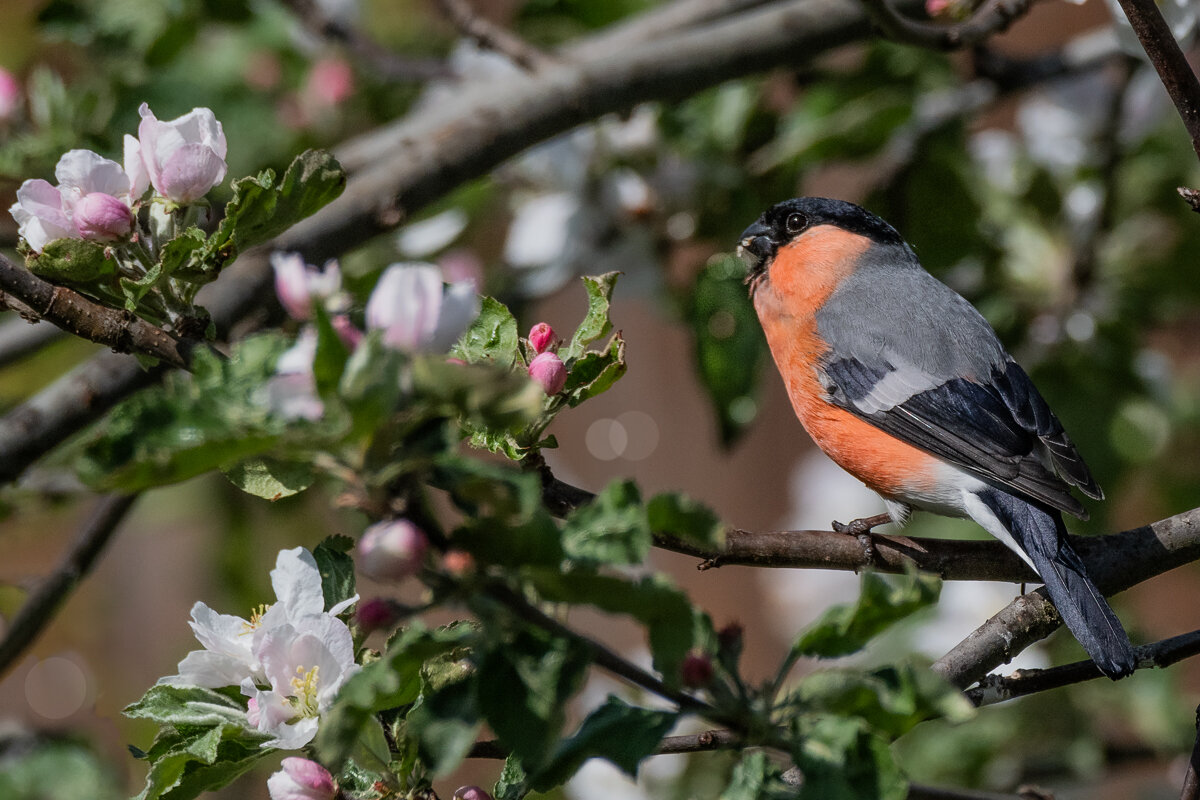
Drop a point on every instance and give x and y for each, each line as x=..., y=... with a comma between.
x=906, y=386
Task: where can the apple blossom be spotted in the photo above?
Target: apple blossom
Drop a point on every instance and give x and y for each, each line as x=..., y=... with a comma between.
x=471, y=793
x=10, y=94
x=301, y=779
x=329, y=82
x=299, y=285
x=306, y=663
x=549, y=371
x=541, y=336
x=182, y=159
x=415, y=312
x=391, y=550
x=90, y=202
x=229, y=641
x=292, y=391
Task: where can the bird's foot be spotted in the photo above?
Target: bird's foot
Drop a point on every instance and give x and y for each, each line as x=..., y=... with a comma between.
x=861, y=529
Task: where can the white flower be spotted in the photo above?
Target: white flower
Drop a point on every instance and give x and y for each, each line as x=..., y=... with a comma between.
x=299, y=285
x=91, y=201
x=414, y=312
x=182, y=159
x=306, y=663
x=229, y=656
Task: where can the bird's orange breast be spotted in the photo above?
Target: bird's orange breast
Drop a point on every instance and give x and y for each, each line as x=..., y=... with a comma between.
x=802, y=276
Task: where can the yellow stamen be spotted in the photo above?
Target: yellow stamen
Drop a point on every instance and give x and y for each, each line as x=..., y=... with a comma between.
x=304, y=688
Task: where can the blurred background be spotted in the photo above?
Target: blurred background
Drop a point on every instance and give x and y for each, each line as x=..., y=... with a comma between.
x=1036, y=175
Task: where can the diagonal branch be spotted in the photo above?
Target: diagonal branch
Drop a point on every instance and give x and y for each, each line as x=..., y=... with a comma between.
x=993, y=17
x=45, y=601
x=74, y=313
x=1031, y=617
x=491, y=36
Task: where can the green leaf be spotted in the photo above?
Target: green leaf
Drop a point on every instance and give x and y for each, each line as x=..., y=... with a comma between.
x=187, y=705
x=394, y=680
x=271, y=478
x=846, y=629
x=596, y=324
x=446, y=723
x=616, y=732
x=262, y=208
x=75, y=261
x=674, y=627
x=37, y=769
x=611, y=529
x=216, y=417
x=524, y=685
x=513, y=783
x=891, y=700
x=730, y=347
x=329, y=361
x=594, y=373
x=842, y=759
x=491, y=338
x=370, y=383
x=336, y=568
x=756, y=777
x=177, y=255
x=677, y=515
x=482, y=396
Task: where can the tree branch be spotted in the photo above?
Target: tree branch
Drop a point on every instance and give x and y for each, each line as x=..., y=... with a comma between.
x=1156, y=549
x=993, y=17
x=1168, y=60
x=1191, y=779
x=19, y=338
x=45, y=601
x=491, y=36
x=74, y=313
x=997, y=689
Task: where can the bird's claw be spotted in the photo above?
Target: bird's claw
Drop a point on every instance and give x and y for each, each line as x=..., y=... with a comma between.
x=861, y=529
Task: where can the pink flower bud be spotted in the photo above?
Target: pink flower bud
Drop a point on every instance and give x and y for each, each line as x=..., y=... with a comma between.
x=936, y=8
x=346, y=331
x=389, y=551
x=102, y=217
x=548, y=370
x=253, y=715
x=330, y=82
x=301, y=779
x=10, y=93
x=541, y=336
x=696, y=670
x=376, y=614
x=471, y=793
x=456, y=562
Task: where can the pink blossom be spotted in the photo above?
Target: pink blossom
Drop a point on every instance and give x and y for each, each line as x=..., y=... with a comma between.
x=541, y=336
x=182, y=159
x=301, y=779
x=10, y=94
x=549, y=371
x=415, y=313
x=471, y=793
x=330, y=82
x=391, y=550
x=299, y=285
x=376, y=614
x=102, y=218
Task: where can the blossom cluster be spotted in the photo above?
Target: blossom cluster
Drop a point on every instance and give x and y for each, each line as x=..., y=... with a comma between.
x=289, y=658
x=97, y=199
x=410, y=306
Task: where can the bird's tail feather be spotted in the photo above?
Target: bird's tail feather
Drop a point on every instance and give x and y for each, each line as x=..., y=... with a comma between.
x=1042, y=535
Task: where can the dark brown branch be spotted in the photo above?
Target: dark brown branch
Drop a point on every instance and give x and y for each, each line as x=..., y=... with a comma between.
x=993, y=17
x=74, y=313
x=379, y=60
x=919, y=792
x=1191, y=779
x=490, y=36
x=18, y=339
x=997, y=689
x=702, y=742
x=50, y=595
x=1152, y=550
x=1173, y=68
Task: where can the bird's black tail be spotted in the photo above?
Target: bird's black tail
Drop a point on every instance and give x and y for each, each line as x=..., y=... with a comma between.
x=1041, y=534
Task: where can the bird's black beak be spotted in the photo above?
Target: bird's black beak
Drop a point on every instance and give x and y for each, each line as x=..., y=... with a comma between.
x=756, y=248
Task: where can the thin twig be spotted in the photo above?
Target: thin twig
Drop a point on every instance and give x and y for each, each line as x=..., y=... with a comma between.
x=379, y=60
x=491, y=36
x=50, y=595
x=997, y=689
x=74, y=313
x=1173, y=69
x=702, y=742
x=993, y=17
x=1191, y=779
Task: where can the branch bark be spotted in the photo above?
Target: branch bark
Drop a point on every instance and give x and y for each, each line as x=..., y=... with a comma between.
x=45, y=601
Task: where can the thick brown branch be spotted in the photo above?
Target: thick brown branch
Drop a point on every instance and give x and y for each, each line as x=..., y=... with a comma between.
x=996, y=689
x=993, y=17
x=1151, y=550
x=491, y=36
x=74, y=313
x=1173, y=68
x=45, y=601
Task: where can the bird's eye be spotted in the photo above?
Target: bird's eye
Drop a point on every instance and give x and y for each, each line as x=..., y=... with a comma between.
x=795, y=223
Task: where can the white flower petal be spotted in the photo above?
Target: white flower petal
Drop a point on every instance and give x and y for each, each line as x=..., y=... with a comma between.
x=460, y=307
x=87, y=172
x=297, y=583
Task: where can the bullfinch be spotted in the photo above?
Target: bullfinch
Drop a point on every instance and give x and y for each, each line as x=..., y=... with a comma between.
x=907, y=387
